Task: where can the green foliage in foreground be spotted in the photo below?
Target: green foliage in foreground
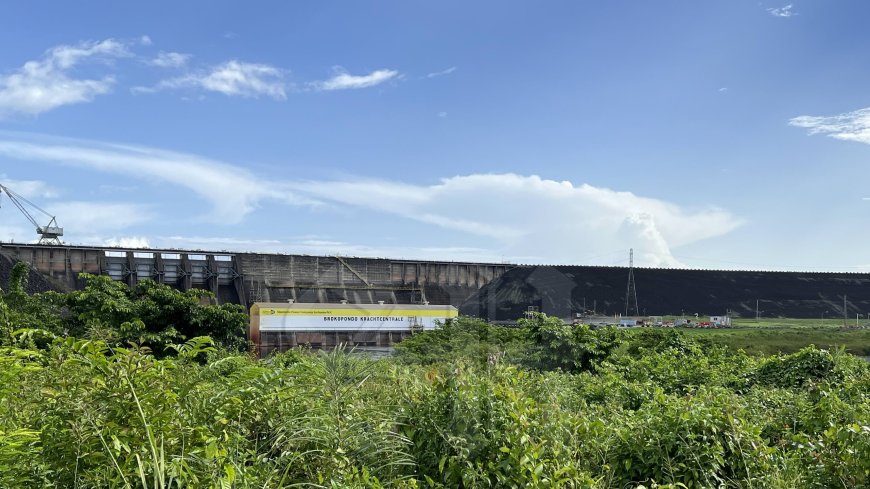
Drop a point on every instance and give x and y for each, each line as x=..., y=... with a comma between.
x=471, y=405
x=150, y=314
x=653, y=410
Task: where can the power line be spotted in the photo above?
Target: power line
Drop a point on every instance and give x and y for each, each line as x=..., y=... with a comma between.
x=631, y=289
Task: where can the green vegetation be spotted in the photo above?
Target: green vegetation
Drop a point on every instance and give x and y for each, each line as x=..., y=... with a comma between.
x=471, y=405
x=771, y=336
x=788, y=340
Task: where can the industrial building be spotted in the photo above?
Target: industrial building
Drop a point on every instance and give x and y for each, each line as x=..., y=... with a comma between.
x=281, y=326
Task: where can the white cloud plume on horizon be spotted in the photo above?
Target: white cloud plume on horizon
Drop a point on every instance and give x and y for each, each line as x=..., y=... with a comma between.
x=342, y=80
x=47, y=83
x=849, y=126
x=518, y=210
x=319, y=245
x=127, y=242
x=524, y=217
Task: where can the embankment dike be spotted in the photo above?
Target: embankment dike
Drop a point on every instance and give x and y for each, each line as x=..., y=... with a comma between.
x=498, y=292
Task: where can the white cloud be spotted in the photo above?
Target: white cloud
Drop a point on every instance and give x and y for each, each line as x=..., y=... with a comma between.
x=233, y=78
x=344, y=81
x=81, y=218
x=145, y=41
x=169, y=60
x=442, y=114
x=785, y=11
x=319, y=245
x=543, y=220
x=232, y=191
x=521, y=218
x=851, y=126
x=442, y=72
x=48, y=83
x=723, y=90
x=127, y=242
x=29, y=188
x=14, y=232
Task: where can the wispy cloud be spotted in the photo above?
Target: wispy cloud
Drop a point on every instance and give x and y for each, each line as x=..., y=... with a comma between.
x=506, y=213
x=851, y=126
x=786, y=11
x=169, y=60
x=82, y=216
x=29, y=188
x=344, y=81
x=145, y=40
x=233, y=78
x=233, y=192
x=47, y=83
x=441, y=73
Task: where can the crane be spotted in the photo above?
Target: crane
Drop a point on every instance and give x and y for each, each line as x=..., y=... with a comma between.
x=48, y=234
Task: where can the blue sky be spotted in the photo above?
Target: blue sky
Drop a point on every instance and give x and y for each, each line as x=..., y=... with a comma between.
x=721, y=134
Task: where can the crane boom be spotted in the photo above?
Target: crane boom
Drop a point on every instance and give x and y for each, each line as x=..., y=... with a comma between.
x=48, y=234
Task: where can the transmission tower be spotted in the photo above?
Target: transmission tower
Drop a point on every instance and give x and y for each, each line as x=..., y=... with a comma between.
x=630, y=289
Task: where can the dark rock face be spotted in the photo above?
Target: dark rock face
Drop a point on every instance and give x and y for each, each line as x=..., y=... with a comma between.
x=36, y=282
x=563, y=290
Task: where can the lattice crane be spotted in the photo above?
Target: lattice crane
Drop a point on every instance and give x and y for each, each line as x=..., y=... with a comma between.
x=48, y=234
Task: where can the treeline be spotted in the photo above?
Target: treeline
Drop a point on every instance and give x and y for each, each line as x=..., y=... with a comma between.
x=470, y=405
x=149, y=315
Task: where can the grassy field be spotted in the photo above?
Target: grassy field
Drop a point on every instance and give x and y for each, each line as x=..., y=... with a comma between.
x=768, y=336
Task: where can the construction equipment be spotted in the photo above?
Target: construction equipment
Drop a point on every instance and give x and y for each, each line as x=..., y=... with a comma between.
x=48, y=234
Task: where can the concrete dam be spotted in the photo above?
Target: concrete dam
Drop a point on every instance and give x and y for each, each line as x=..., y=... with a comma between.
x=497, y=292
x=246, y=278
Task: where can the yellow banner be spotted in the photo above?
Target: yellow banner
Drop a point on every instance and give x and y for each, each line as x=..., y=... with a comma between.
x=438, y=313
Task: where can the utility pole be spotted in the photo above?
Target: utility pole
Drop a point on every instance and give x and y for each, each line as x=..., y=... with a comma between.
x=756, y=310
x=631, y=290
x=844, y=310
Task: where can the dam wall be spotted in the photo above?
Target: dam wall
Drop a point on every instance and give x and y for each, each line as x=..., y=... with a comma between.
x=497, y=292
x=566, y=291
x=245, y=278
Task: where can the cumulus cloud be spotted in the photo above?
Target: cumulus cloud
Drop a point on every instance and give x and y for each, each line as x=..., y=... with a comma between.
x=145, y=40
x=345, y=81
x=541, y=220
x=49, y=82
x=851, y=126
x=169, y=60
x=518, y=217
x=786, y=11
x=127, y=242
x=232, y=78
